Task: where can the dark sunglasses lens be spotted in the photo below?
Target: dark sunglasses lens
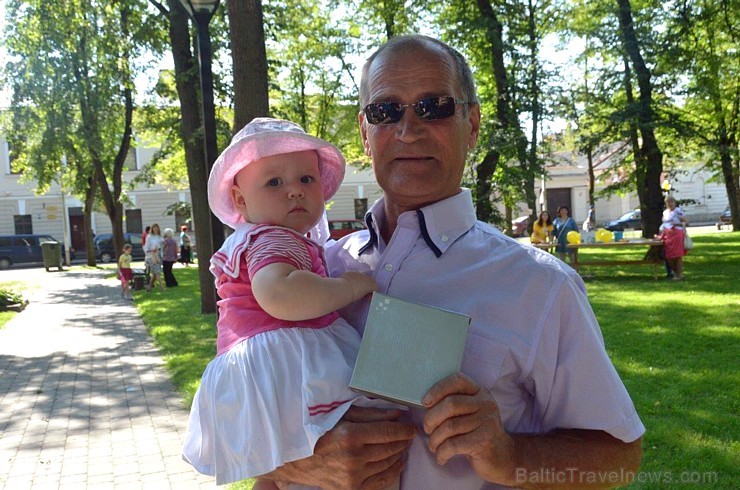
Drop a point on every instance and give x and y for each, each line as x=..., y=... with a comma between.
x=383, y=113
x=435, y=108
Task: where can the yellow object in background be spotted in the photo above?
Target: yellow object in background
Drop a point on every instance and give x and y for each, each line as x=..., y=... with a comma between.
x=573, y=237
x=604, y=236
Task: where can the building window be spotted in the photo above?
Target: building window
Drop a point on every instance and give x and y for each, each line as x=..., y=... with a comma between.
x=13, y=152
x=130, y=162
x=360, y=207
x=23, y=224
x=182, y=217
x=133, y=221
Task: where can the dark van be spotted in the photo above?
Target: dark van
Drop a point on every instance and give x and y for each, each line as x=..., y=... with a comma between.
x=104, y=247
x=23, y=249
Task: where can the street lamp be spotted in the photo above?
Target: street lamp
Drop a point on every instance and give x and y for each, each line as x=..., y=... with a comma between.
x=201, y=11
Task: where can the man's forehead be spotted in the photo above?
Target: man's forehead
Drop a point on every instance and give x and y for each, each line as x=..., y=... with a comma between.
x=422, y=71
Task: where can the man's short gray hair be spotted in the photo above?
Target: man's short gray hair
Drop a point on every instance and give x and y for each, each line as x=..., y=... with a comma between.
x=412, y=42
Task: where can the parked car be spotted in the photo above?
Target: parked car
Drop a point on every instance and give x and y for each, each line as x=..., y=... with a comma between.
x=627, y=220
x=724, y=219
x=104, y=247
x=25, y=249
x=520, y=226
x=341, y=227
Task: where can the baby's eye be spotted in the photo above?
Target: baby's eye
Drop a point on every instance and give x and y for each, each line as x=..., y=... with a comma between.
x=273, y=182
x=307, y=179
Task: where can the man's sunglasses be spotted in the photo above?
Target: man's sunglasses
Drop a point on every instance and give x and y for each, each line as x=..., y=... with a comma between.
x=429, y=109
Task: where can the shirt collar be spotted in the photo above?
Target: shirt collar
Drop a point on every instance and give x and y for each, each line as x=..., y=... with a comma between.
x=440, y=223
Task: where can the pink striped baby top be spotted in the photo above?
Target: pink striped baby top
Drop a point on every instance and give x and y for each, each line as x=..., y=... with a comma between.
x=245, y=252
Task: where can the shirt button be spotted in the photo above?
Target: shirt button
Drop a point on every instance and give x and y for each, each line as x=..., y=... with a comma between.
x=388, y=267
x=445, y=238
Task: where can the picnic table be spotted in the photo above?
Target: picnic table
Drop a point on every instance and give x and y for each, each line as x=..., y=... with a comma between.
x=647, y=259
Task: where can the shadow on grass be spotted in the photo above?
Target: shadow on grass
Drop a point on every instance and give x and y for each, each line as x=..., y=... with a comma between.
x=676, y=345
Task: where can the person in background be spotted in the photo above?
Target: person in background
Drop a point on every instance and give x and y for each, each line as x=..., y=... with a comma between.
x=169, y=257
x=153, y=256
x=185, y=246
x=563, y=224
x=145, y=234
x=590, y=223
x=542, y=229
x=672, y=232
x=537, y=394
x=125, y=273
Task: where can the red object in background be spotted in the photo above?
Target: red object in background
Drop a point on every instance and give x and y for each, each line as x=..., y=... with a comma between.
x=341, y=227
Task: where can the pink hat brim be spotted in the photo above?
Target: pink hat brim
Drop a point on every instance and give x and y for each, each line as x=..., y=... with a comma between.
x=248, y=149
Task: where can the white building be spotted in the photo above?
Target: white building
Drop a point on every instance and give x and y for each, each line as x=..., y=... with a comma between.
x=56, y=213
x=567, y=184
x=22, y=211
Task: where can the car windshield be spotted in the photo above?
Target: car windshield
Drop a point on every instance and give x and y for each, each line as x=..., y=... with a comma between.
x=627, y=216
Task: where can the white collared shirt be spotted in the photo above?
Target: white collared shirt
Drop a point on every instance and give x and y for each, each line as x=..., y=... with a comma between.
x=533, y=341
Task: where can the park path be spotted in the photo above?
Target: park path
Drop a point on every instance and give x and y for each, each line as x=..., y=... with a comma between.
x=85, y=401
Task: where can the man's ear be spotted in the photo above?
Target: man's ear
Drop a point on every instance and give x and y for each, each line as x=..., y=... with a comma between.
x=238, y=200
x=363, y=134
x=474, y=118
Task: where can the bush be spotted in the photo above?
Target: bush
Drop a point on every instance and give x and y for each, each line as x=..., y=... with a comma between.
x=8, y=297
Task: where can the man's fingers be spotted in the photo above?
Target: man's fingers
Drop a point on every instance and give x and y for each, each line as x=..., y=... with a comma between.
x=384, y=478
x=455, y=384
x=450, y=407
x=451, y=428
x=369, y=414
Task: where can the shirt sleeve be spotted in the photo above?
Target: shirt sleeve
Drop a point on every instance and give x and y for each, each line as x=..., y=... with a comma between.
x=273, y=246
x=576, y=384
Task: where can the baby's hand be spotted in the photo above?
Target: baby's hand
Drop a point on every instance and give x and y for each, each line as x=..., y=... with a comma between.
x=361, y=284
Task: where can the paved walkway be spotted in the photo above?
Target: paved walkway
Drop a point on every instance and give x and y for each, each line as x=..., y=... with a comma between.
x=85, y=401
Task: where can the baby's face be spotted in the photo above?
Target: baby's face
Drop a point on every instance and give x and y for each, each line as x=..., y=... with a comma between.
x=283, y=190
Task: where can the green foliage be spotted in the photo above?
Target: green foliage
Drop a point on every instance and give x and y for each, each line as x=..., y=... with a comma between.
x=9, y=297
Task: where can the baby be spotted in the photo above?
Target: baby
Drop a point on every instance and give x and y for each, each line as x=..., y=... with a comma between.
x=284, y=356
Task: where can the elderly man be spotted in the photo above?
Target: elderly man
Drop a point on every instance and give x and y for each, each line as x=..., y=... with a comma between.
x=539, y=403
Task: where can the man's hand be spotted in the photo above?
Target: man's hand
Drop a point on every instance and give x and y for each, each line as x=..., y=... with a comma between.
x=463, y=419
x=364, y=450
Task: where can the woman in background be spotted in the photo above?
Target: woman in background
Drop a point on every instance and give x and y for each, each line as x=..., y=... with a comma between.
x=185, y=246
x=542, y=229
x=672, y=232
x=169, y=257
x=564, y=224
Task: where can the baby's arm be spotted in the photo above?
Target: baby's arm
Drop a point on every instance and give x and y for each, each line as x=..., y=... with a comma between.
x=288, y=293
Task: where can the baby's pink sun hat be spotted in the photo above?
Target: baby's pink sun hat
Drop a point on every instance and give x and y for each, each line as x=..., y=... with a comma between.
x=264, y=137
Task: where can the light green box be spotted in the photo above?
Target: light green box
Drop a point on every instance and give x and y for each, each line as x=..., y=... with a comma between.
x=407, y=348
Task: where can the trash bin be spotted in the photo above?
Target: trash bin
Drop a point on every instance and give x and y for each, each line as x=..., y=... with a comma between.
x=139, y=279
x=138, y=283
x=52, y=253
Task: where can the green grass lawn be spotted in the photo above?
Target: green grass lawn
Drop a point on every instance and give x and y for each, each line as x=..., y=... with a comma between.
x=675, y=344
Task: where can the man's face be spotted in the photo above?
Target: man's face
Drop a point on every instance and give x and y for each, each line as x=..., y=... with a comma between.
x=418, y=162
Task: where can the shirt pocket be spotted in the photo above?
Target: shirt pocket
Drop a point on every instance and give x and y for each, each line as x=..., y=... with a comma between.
x=484, y=360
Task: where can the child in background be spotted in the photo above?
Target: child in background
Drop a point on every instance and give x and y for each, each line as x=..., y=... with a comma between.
x=284, y=356
x=125, y=274
x=155, y=270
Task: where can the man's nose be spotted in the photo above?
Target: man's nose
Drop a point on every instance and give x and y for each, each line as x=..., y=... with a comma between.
x=410, y=128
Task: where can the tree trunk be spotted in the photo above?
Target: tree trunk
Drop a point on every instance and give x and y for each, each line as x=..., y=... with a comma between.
x=650, y=166
x=591, y=182
x=186, y=69
x=494, y=33
x=89, y=204
x=247, y=36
